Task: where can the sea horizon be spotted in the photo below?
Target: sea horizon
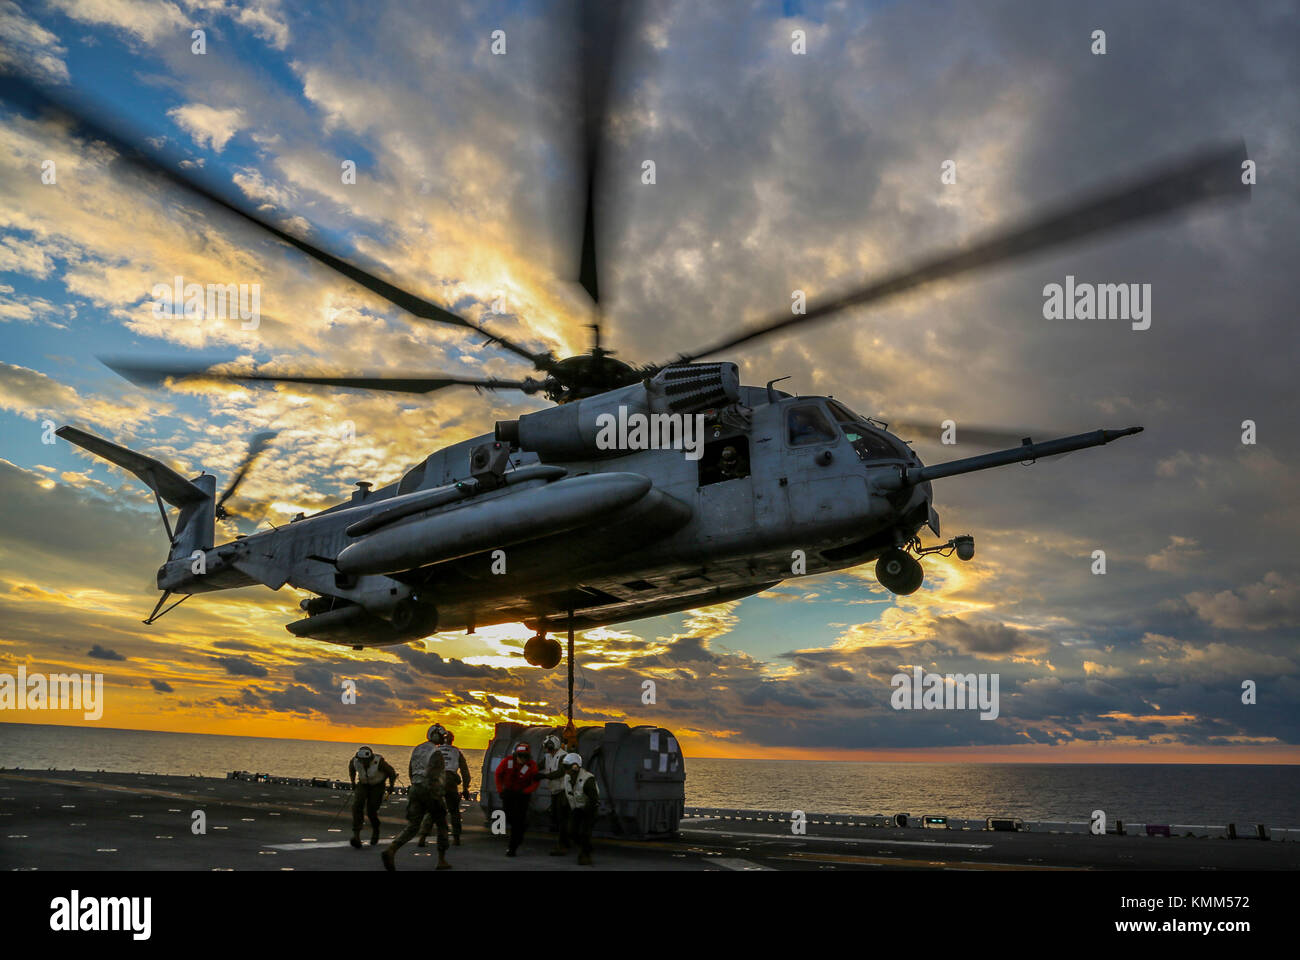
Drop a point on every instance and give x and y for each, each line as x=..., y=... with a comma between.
x=703, y=756
x=1190, y=793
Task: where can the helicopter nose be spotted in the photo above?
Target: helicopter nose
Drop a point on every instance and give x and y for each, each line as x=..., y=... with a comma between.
x=932, y=521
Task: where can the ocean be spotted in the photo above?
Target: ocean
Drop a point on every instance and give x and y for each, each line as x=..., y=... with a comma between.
x=1140, y=793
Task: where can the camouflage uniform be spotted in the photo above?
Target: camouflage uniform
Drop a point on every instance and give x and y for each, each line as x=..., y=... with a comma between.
x=424, y=799
x=457, y=783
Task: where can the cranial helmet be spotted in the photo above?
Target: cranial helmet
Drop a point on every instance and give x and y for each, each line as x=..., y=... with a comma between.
x=521, y=748
x=551, y=743
x=571, y=758
x=437, y=733
x=365, y=753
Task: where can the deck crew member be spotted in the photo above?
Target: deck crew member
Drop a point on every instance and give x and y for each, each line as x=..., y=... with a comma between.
x=420, y=756
x=583, y=798
x=423, y=801
x=457, y=785
x=368, y=771
x=516, y=779
x=551, y=775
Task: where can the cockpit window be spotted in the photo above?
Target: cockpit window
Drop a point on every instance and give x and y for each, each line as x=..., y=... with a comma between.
x=842, y=413
x=807, y=424
x=868, y=443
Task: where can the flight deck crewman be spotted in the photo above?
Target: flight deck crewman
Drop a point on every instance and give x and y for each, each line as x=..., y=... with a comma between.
x=583, y=797
x=516, y=779
x=424, y=800
x=368, y=771
x=457, y=785
x=420, y=757
x=552, y=773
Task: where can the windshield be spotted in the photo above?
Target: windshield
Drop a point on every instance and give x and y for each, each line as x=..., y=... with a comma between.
x=868, y=443
x=843, y=414
x=806, y=423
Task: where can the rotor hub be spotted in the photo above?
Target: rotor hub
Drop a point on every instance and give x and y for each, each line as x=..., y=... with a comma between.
x=589, y=374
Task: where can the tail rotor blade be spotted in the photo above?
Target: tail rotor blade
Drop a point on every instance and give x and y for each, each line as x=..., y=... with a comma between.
x=255, y=449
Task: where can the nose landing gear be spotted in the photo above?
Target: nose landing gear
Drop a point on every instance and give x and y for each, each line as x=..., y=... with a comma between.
x=900, y=572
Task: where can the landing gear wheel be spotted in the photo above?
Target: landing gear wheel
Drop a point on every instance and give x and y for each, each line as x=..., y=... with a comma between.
x=899, y=572
x=414, y=620
x=541, y=651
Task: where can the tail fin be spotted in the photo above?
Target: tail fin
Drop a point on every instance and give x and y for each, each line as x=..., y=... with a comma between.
x=194, y=498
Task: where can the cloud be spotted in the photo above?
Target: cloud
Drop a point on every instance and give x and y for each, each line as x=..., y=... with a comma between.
x=1272, y=602
x=1175, y=556
x=27, y=258
x=241, y=667
x=775, y=173
x=991, y=638
x=103, y=653
x=266, y=20
x=141, y=19
x=208, y=125
x=434, y=665
x=38, y=48
x=161, y=686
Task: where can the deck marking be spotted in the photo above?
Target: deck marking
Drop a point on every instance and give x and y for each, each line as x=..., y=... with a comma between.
x=862, y=840
x=942, y=864
x=309, y=846
x=736, y=863
x=169, y=795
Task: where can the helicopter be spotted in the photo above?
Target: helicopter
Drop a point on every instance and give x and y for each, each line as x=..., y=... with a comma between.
x=544, y=520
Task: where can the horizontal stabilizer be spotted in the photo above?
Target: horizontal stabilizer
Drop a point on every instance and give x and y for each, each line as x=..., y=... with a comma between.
x=159, y=477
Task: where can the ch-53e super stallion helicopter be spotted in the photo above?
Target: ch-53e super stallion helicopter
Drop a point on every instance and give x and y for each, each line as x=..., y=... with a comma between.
x=538, y=522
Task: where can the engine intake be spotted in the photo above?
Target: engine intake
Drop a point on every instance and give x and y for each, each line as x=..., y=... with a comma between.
x=568, y=432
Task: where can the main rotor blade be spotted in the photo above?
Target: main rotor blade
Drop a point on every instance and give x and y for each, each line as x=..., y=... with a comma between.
x=132, y=148
x=153, y=373
x=1209, y=174
x=255, y=449
x=600, y=34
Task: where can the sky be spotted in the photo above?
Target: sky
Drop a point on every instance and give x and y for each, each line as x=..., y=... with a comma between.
x=774, y=171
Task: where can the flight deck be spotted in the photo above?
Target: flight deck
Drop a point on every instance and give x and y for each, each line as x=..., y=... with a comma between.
x=78, y=820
